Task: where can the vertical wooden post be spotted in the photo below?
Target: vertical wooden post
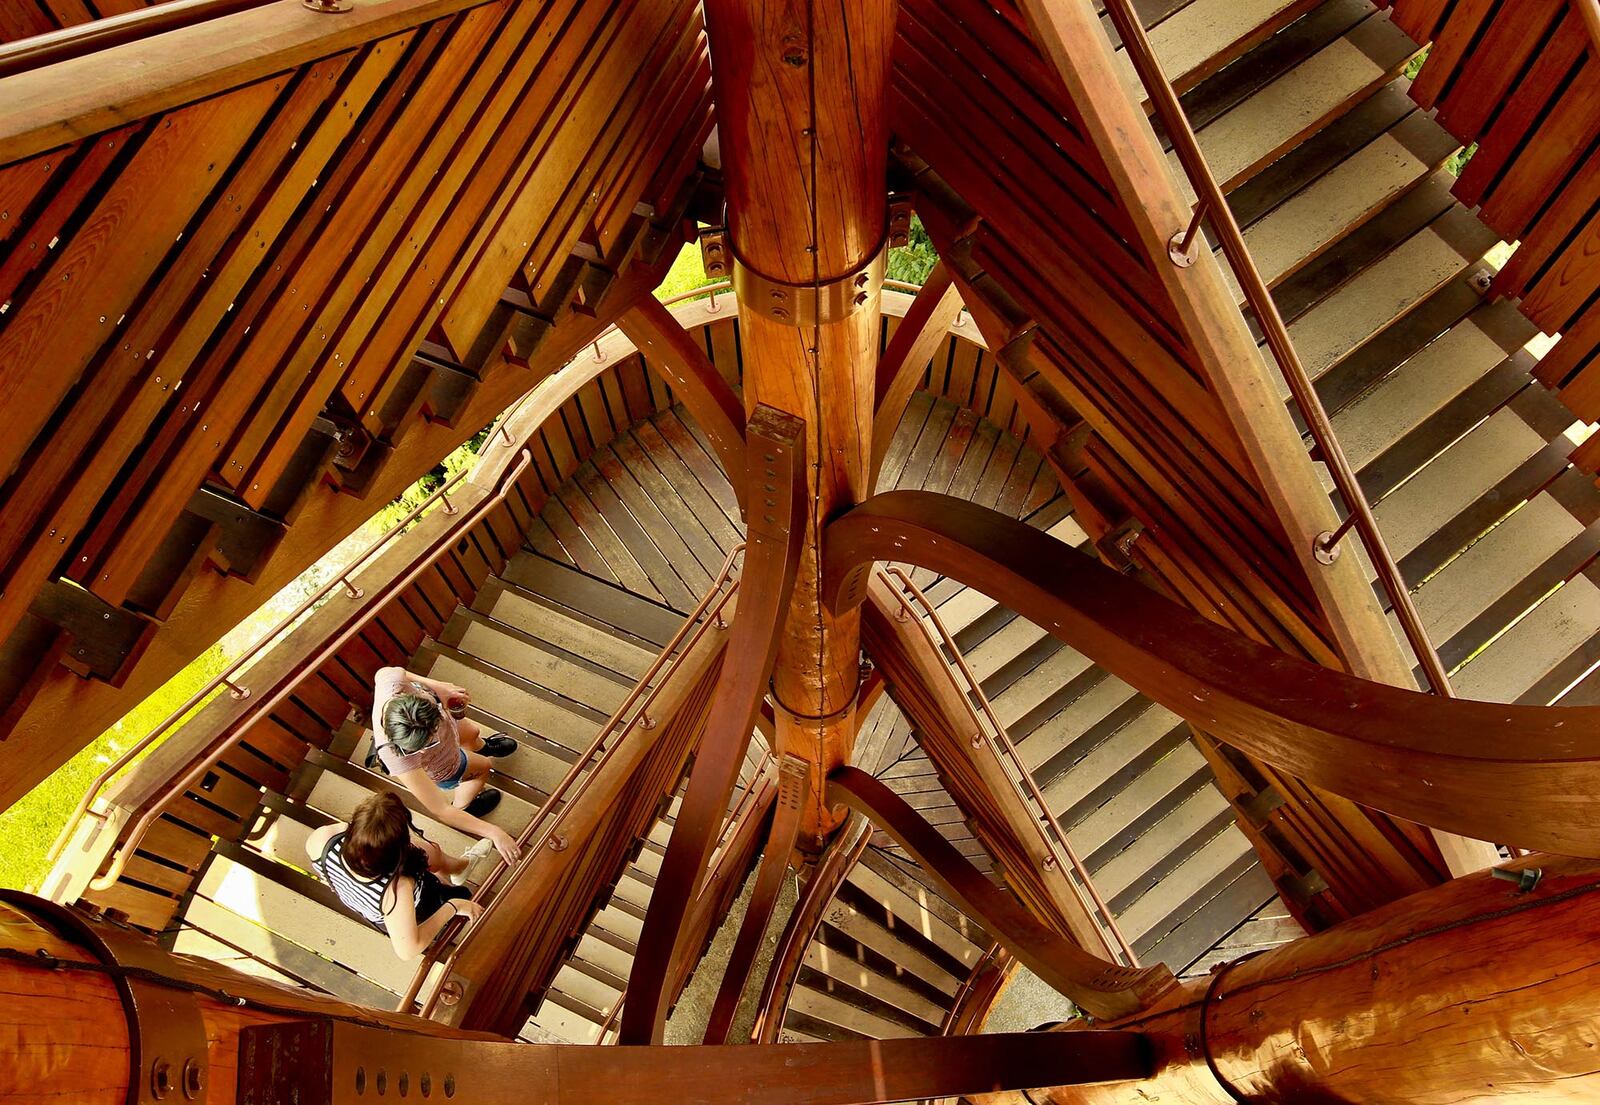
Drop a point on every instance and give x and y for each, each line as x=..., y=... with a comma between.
x=801, y=88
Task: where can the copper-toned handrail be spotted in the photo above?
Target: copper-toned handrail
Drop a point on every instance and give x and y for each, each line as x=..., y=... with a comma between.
x=707, y=614
x=153, y=809
x=910, y=597
x=1212, y=202
x=229, y=676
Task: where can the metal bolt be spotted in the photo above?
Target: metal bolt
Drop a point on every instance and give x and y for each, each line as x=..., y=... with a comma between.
x=646, y=721
x=558, y=843
x=194, y=1079
x=160, y=1078
x=451, y=993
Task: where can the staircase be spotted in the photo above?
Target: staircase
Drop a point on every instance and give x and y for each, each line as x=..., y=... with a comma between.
x=547, y=654
x=1338, y=180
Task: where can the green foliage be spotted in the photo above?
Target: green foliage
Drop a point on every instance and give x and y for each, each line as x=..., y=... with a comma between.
x=1414, y=66
x=28, y=828
x=913, y=262
x=1458, y=160
x=687, y=273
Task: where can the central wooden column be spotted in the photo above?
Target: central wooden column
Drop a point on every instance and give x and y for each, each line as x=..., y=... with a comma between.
x=802, y=127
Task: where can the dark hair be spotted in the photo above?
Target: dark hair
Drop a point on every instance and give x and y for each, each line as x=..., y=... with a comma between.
x=378, y=843
x=409, y=720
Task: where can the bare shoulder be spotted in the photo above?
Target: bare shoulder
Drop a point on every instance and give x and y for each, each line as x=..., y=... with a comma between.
x=317, y=842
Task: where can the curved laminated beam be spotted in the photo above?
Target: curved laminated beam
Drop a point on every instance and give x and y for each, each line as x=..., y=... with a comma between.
x=711, y=400
x=776, y=459
x=843, y=852
x=1526, y=775
x=794, y=780
x=1100, y=988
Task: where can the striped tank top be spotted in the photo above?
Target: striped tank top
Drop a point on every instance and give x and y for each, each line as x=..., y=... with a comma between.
x=363, y=897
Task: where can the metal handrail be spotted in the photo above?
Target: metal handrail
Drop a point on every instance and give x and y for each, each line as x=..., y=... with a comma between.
x=707, y=614
x=1062, y=854
x=228, y=676
x=232, y=672
x=153, y=809
x=1212, y=203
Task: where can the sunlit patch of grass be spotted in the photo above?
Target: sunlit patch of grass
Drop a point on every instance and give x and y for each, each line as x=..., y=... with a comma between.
x=28, y=828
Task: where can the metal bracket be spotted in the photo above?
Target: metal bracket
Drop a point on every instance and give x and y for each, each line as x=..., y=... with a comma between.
x=1267, y=799
x=901, y=209
x=805, y=304
x=714, y=253
x=1116, y=545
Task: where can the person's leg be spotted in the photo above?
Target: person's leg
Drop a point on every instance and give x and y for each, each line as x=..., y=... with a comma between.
x=472, y=781
x=471, y=735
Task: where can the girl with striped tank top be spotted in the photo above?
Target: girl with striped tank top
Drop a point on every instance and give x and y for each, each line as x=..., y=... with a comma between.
x=391, y=879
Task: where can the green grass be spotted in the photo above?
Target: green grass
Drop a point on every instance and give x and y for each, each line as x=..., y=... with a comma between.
x=28, y=828
x=686, y=274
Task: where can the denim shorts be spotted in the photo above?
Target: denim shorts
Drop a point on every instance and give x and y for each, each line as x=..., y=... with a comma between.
x=455, y=779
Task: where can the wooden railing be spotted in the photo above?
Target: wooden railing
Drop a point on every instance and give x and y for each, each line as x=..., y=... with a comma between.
x=1212, y=205
x=235, y=732
x=991, y=735
x=631, y=714
x=37, y=51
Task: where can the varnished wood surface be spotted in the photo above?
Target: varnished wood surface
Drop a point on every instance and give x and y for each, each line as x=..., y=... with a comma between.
x=1358, y=738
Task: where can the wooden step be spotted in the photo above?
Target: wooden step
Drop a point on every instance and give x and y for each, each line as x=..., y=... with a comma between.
x=1386, y=290
x=1257, y=131
x=514, y=701
x=1325, y=212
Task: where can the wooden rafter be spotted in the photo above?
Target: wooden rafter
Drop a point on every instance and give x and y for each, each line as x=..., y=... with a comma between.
x=1356, y=737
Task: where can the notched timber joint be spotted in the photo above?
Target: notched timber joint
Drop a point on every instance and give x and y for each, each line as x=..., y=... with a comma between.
x=104, y=638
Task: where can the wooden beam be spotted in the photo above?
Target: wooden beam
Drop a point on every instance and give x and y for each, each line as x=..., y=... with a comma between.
x=1406, y=1003
x=838, y=859
x=861, y=1072
x=711, y=401
x=1098, y=987
x=925, y=326
x=1529, y=775
x=86, y=95
x=794, y=780
x=777, y=529
x=802, y=127
x=923, y=685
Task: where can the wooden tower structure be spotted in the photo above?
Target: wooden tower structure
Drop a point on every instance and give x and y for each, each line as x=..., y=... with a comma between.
x=1180, y=607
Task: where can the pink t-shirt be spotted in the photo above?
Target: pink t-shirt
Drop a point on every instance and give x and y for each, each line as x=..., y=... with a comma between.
x=440, y=757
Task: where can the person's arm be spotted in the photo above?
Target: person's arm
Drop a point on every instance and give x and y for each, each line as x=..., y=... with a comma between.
x=440, y=809
x=408, y=938
x=451, y=694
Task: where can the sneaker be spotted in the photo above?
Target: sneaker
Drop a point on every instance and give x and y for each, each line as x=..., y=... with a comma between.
x=488, y=798
x=497, y=746
x=472, y=855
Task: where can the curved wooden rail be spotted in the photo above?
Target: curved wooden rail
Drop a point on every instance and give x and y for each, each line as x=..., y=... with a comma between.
x=1528, y=775
x=1099, y=987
